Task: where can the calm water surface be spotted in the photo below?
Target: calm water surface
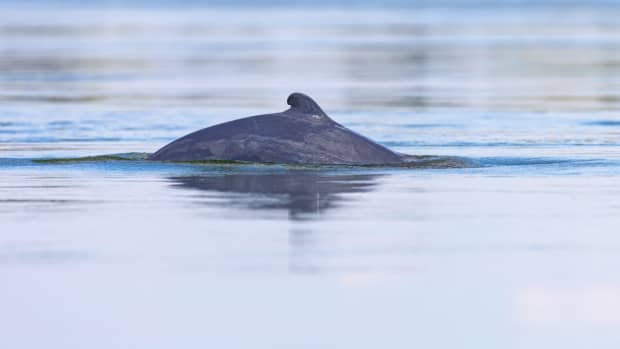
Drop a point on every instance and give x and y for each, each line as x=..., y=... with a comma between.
x=520, y=250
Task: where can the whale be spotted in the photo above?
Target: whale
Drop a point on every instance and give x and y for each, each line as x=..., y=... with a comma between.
x=302, y=134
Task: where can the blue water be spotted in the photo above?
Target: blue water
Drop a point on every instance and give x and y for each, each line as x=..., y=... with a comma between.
x=518, y=249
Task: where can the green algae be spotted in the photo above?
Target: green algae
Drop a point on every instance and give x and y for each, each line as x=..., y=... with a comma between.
x=96, y=158
x=411, y=162
x=212, y=162
x=428, y=162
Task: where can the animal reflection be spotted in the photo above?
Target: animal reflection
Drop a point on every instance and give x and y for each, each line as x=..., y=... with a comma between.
x=303, y=195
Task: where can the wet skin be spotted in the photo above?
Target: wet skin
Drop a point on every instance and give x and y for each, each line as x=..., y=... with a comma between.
x=303, y=134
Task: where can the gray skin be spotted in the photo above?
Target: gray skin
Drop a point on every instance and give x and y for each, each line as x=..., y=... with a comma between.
x=303, y=134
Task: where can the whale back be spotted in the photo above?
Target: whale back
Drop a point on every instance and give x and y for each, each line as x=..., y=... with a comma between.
x=303, y=134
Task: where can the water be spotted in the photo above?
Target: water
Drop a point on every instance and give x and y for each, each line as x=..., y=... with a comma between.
x=519, y=250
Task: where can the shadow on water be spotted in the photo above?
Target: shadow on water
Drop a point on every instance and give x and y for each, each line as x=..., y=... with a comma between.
x=302, y=195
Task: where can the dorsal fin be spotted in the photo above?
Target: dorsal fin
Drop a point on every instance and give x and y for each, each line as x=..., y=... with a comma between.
x=304, y=104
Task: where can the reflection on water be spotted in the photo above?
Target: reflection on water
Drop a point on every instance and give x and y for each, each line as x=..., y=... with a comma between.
x=303, y=195
x=523, y=59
